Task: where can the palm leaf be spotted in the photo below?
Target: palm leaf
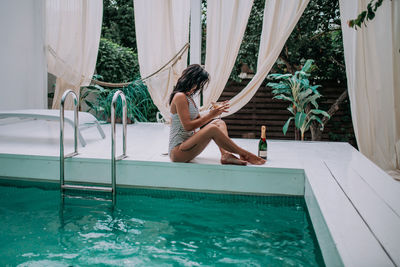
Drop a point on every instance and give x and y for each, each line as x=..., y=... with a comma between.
x=301, y=74
x=277, y=76
x=286, y=126
x=313, y=100
x=281, y=91
x=311, y=119
x=299, y=119
x=314, y=88
x=283, y=97
x=310, y=99
x=290, y=108
x=320, y=112
x=308, y=65
x=277, y=85
x=303, y=95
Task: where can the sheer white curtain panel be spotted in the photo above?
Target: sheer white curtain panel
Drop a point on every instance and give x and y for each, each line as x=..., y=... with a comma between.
x=372, y=68
x=162, y=29
x=226, y=23
x=280, y=18
x=73, y=30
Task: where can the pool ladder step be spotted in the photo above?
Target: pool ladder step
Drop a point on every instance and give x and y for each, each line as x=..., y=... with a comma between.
x=87, y=188
x=76, y=195
x=109, y=189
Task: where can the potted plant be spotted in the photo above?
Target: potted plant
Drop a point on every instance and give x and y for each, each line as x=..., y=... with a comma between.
x=296, y=89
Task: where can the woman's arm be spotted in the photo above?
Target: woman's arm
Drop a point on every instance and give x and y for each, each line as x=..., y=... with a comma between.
x=182, y=109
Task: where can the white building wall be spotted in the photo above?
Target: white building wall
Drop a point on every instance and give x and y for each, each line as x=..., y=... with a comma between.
x=23, y=67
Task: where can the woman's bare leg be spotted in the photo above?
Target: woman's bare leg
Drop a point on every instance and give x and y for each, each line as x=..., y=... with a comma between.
x=192, y=147
x=221, y=124
x=227, y=157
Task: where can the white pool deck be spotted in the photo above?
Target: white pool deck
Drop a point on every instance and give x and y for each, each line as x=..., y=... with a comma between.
x=353, y=204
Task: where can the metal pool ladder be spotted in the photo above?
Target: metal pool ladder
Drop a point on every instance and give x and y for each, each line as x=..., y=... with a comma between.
x=111, y=189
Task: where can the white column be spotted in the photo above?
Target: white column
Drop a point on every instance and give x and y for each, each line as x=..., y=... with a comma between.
x=23, y=69
x=195, y=31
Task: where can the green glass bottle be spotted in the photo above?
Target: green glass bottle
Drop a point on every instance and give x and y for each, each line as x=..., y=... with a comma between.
x=262, y=145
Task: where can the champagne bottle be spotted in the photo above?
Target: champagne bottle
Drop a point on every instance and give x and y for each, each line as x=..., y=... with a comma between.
x=262, y=145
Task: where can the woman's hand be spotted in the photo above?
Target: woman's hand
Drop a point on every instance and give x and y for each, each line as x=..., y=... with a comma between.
x=219, y=108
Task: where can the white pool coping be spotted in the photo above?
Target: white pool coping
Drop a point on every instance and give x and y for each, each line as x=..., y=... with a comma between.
x=354, y=205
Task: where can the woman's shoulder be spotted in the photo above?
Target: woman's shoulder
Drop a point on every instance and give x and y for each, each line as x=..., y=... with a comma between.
x=179, y=97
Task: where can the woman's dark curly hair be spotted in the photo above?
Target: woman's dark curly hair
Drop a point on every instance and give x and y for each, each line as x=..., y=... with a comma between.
x=193, y=76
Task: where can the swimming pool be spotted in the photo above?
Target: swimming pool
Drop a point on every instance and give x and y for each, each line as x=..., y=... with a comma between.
x=154, y=227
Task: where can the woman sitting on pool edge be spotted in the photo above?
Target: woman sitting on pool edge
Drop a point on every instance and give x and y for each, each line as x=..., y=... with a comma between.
x=184, y=143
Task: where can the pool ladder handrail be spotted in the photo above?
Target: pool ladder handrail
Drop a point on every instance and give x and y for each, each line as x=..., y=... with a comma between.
x=111, y=189
x=76, y=123
x=117, y=94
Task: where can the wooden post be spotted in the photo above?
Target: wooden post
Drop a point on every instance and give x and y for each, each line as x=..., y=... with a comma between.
x=195, y=32
x=195, y=37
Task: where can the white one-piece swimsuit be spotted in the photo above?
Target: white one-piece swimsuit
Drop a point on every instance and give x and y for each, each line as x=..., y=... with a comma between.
x=177, y=134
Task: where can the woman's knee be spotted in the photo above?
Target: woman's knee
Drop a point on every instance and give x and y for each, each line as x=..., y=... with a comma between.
x=219, y=123
x=212, y=128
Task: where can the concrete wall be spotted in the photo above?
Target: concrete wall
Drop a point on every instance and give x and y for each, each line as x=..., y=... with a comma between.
x=23, y=67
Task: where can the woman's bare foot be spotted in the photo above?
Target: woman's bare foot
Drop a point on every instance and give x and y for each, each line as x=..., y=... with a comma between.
x=229, y=158
x=252, y=159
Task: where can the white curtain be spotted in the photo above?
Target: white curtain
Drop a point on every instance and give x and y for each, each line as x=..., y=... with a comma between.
x=73, y=30
x=226, y=23
x=372, y=68
x=162, y=29
x=280, y=18
x=396, y=77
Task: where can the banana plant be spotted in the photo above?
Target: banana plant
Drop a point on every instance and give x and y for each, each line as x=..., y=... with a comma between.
x=296, y=89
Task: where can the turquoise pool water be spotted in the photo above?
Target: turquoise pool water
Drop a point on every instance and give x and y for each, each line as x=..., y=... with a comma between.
x=154, y=228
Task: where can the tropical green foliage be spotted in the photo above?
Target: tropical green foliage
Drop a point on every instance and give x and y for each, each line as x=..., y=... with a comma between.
x=140, y=107
x=296, y=89
x=116, y=63
x=119, y=23
x=366, y=15
x=248, y=51
x=316, y=36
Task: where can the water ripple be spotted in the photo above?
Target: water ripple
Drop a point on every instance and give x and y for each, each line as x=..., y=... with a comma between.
x=147, y=231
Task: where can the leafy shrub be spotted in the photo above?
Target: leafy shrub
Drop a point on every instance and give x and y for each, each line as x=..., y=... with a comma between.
x=119, y=23
x=116, y=63
x=140, y=106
